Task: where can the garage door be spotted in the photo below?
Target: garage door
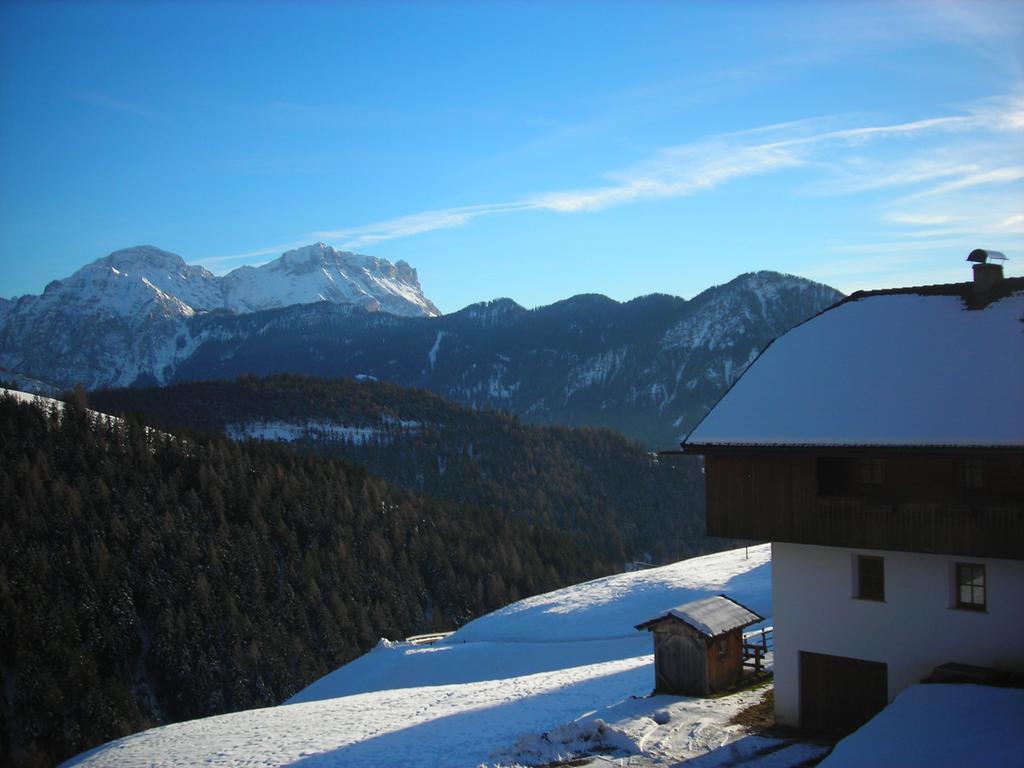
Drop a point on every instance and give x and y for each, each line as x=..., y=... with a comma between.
x=838, y=694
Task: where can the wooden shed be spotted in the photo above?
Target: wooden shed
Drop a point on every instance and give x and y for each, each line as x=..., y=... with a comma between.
x=698, y=646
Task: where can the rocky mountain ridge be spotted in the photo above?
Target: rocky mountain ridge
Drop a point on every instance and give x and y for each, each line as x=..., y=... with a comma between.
x=126, y=316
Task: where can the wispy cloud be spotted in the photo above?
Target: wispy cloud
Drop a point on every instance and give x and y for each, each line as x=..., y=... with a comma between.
x=116, y=105
x=977, y=179
x=963, y=152
x=368, y=234
x=989, y=28
x=676, y=172
x=917, y=219
x=971, y=215
x=414, y=224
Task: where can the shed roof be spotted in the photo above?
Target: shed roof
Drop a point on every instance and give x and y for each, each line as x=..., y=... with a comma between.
x=710, y=616
x=913, y=367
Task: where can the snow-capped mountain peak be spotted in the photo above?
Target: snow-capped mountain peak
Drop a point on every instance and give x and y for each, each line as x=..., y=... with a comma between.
x=160, y=274
x=310, y=257
x=130, y=284
x=126, y=315
x=320, y=272
x=141, y=256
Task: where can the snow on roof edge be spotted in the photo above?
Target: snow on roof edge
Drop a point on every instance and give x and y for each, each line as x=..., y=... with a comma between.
x=883, y=444
x=689, y=613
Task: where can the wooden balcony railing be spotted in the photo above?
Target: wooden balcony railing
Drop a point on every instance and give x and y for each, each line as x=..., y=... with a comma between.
x=990, y=531
x=939, y=528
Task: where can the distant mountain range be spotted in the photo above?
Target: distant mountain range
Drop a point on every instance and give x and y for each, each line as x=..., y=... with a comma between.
x=649, y=367
x=127, y=315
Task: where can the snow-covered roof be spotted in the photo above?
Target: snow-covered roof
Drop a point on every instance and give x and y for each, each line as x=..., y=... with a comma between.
x=710, y=616
x=930, y=725
x=890, y=368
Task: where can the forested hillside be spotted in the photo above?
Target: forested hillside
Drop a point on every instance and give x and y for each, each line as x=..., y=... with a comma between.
x=146, y=578
x=649, y=368
x=608, y=492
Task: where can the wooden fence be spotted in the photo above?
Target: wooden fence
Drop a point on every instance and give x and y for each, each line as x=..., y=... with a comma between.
x=756, y=645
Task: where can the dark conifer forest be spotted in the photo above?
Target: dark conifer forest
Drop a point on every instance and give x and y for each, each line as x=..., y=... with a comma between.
x=147, y=578
x=608, y=492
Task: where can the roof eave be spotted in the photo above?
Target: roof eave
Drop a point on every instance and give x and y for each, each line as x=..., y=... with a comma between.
x=841, y=448
x=648, y=624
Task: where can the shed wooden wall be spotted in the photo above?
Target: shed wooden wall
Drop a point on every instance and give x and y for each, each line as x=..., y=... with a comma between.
x=680, y=659
x=725, y=669
x=687, y=663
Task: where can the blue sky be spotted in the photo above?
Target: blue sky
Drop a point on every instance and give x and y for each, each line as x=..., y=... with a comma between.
x=532, y=150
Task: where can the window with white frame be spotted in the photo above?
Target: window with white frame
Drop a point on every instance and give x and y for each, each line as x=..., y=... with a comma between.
x=970, y=586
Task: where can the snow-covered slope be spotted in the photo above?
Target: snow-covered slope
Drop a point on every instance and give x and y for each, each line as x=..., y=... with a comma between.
x=28, y=384
x=488, y=691
x=50, y=404
x=41, y=401
x=141, y=273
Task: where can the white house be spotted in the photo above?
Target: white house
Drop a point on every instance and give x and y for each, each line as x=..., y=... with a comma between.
x=880, y=447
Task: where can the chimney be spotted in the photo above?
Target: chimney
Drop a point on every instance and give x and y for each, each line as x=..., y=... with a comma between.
x=987, y=275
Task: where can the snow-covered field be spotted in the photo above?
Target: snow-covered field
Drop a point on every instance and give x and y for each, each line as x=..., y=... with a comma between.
x=549, y=676
x=289, y=432
x=321, y=430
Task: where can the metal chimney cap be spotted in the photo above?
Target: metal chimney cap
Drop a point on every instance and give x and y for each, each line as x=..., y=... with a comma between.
x=982, y=256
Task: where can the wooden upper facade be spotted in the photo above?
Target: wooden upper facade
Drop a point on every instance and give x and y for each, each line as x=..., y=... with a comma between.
x=965, y=502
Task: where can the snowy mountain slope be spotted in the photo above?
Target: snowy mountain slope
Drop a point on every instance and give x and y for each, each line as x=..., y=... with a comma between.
x=114, y=320
x=321, y=273
x=751, y=300
x=123, y=318
x=487, y=692
x=164, y=276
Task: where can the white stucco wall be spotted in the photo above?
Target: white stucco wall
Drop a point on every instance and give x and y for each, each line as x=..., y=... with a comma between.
x=914, y=630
